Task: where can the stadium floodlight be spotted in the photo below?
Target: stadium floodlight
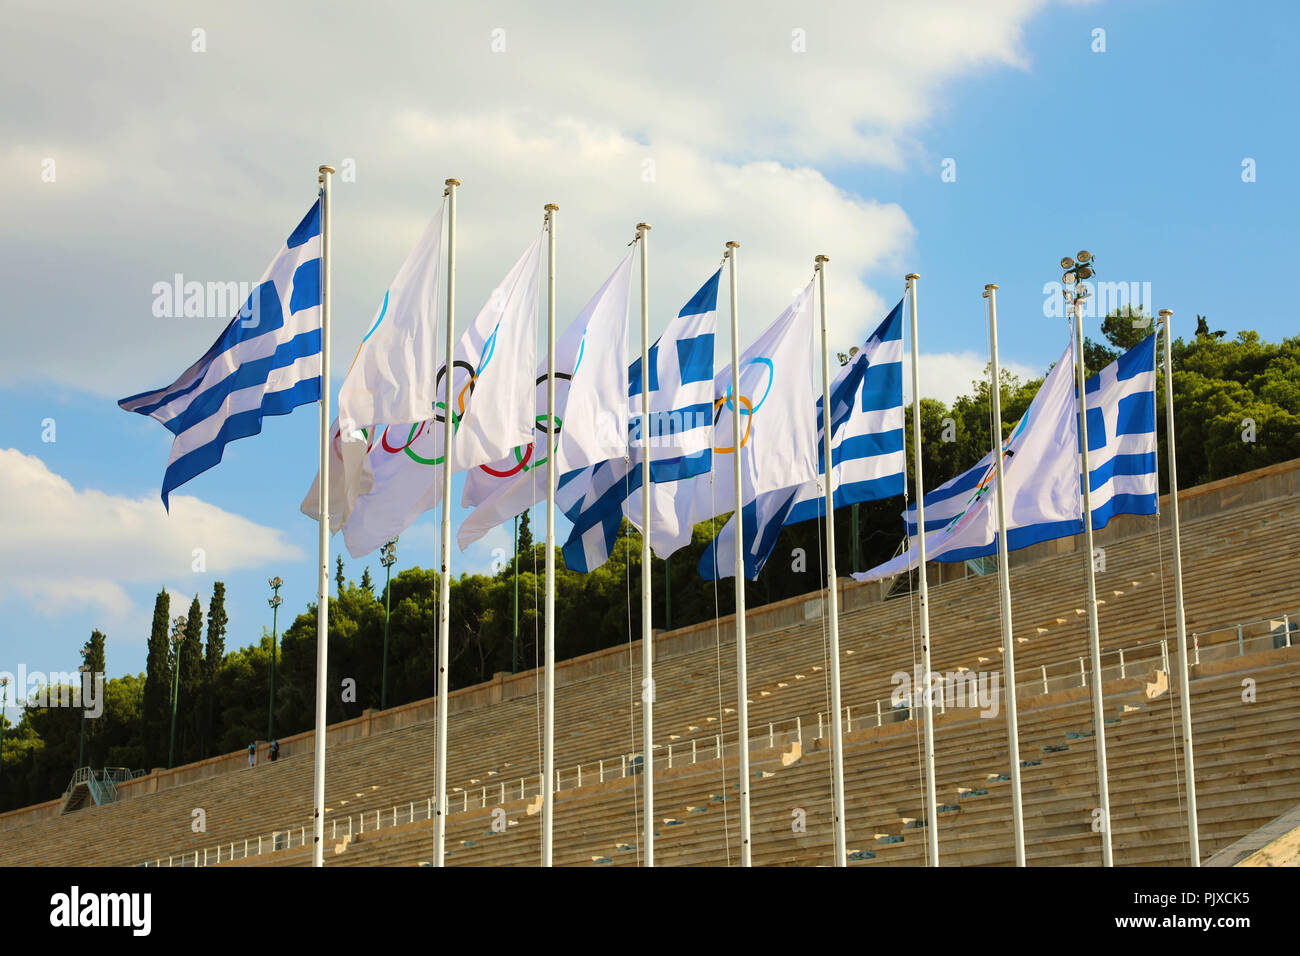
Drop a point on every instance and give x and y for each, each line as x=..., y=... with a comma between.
x=1084, y=270
x=387, y=557
x=274, y=601
x=178, y=635
x=4, y=693
x=1074, y=277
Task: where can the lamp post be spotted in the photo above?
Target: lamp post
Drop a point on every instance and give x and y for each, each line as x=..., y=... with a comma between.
x=514, y=643
x=81, y=741
x=1074, y=276
x=387, y=557
x=274, y=601
x=4, y=693
x=178, y=635
x=668, y=594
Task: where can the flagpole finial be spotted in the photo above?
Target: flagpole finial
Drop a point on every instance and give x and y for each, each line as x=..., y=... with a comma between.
x=1165, y=313
x=551, y=207
x=327, y=169
x=911, y=275
x=822, y=259
x=451, y=182
x=990, y=289
x=733, y=245
x=643, y=227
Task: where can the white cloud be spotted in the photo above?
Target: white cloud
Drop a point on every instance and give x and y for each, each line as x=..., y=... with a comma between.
x=65, y=548
x=210, y=169
x=180, y=602
x=493, y=546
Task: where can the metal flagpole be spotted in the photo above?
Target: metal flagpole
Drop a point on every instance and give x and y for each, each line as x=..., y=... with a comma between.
x=742, y=680
x=1004, y=580
x=647, y=636
x=931, y=803
x=514, y=644
x=1094, y=636
x=1184, y=697
x=323, y=587
x=444, y=582
x=548, y=794
x=833, y=598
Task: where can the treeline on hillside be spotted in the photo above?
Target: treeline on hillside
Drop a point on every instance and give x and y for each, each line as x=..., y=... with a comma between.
x=1238, y=408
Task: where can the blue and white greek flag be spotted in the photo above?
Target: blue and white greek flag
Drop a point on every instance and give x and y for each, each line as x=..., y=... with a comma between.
x=1122, y=459
x=1041, y=463
x=680, y=423
x=1121, y=453
x=868, y=460
x=266, y=362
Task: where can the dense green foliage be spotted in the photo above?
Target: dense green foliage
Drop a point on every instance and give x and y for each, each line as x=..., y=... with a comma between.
x=1222, y=386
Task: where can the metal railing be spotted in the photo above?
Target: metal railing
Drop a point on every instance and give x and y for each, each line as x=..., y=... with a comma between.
x=1136, y=660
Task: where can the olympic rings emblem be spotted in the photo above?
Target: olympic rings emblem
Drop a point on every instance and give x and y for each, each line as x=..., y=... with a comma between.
x=524, y=453
x=989, y=473
x=749, y=409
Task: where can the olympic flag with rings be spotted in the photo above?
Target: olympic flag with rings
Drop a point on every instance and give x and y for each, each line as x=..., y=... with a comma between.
x=778, y=438
x=391, y=379
x=590, y=418
x=494, y=360
x=867, y=453
x=1043, y=498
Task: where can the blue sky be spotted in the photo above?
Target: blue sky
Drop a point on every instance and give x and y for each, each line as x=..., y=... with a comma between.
x=1134, y=153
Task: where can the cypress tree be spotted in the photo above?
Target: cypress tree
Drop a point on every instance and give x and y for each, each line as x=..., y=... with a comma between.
x=190, y=702
x=215, y=654
x=156, y=707
x=525, y=535
x=92, y=657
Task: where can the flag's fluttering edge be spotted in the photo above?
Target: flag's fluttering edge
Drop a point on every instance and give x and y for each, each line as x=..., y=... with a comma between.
x=266, y=362
x=590, y=413
x=493, y=411
x=867, y=454
x=393, y=377
x=1044, y=498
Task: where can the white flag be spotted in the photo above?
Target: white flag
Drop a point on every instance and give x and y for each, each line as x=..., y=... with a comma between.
x=392, y=376
x=591, y=405
x=778, y=436
x=594, y=426
x=493, y=410
x=1041, y=469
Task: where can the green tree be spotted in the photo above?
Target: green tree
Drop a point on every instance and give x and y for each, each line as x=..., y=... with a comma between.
x=156, y=706
x=214, y=653
x=525, y=542
x=190, y=702
x=92, y=658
